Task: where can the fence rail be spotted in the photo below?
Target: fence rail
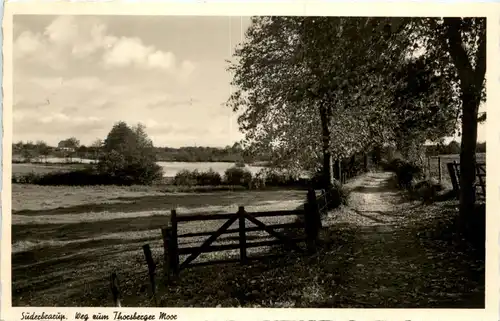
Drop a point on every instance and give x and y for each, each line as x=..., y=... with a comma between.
x=309, y=223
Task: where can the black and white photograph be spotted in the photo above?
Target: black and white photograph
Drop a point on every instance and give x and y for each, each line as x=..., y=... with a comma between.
x=271, y=161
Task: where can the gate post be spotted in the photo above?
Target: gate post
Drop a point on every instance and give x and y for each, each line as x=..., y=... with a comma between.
x=243, y=238
x=174, y=245
x=166, y=234
x=312, y=220
x=151, y=270
x=453, y=177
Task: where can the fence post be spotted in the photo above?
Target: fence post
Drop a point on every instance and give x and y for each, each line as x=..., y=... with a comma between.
x=336, y=170
x=151, y=269
x=439, y=169
x=173, y=248
x=115, y=289
x=311, y=232
x=243, y=238
x=311, y=198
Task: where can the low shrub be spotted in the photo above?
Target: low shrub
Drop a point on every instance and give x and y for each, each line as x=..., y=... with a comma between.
x=200, y=189
x=87, y=176
x=337, y=195
x=258, y=181
x=209, y=177
x=238, y=176
x=186, y=178
x=426, y=190
x=28, y=178
x=406, y=172
x=277, y=178
x=191, y=178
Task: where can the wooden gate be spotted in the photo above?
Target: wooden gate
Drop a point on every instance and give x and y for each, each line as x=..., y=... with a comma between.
x=309, y=222
x=480, y=185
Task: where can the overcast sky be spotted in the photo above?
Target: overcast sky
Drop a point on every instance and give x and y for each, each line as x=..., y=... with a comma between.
x=78, y=75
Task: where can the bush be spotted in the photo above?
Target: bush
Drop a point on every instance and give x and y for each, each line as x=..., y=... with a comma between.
x=192, y=178
x=28, y=178
x=405, y=172
x=274, y=178
x=337, y=195
x=426, y=190
x=87, y=176
x=186, y=178
x=209, y=177
x=238, y=176
x=258, y=181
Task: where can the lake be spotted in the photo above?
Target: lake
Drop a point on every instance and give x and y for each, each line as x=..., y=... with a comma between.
x=170, y=169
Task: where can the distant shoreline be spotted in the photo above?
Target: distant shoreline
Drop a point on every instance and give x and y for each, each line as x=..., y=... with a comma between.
x=160, y=160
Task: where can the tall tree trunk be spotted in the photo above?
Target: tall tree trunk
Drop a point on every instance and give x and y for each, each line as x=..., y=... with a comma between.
x=327, y=155
x=471, y=85
x=468, y=157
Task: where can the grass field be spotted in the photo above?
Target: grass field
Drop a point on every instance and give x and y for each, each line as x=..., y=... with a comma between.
x=445, y=176
x=67, y=240
x=25, y=168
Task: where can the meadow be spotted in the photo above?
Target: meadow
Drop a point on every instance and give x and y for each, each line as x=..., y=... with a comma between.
x=433, y=170
x=67, y=240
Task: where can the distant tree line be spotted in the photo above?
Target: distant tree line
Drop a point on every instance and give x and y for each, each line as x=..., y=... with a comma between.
x=71, y=150
x=451, y=148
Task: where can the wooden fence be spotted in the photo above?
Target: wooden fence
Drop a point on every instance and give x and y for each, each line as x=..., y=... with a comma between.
x=454, y=171
x=309, y=222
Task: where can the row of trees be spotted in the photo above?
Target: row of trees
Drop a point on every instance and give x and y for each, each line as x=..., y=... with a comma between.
x=452, y=148
x=312, y=90
x=70, y=148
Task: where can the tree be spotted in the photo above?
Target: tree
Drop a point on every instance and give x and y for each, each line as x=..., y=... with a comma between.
x=316, y=88
x=42, y=149
x=128, y=156
x=29, y=151
x=425, y=108
x=458, y=46
x=96, y=147
x=82, y=152
x=469, y=59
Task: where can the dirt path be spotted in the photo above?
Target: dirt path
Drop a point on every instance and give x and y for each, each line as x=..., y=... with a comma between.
x=389, y=263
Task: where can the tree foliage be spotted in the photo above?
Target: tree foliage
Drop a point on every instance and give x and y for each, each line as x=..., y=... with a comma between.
x=459, y=48
x=313, y=88
x=128, y=154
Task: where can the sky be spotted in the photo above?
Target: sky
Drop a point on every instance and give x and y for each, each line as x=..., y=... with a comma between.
x=78, y=75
